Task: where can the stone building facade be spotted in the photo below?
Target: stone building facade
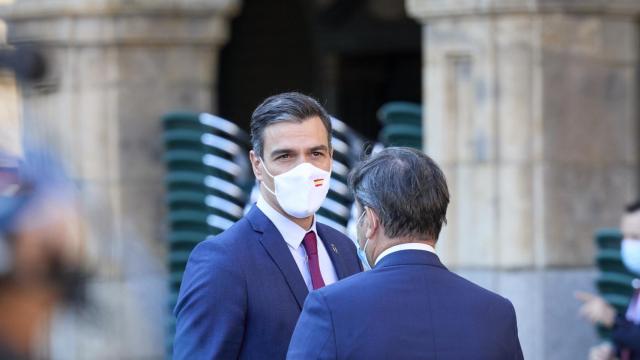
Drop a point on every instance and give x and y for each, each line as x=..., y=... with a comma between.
x=531, y=109
x=114, y=67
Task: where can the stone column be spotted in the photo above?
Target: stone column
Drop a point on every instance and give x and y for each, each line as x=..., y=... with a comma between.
x=115, y=67
x=531, y=111
x=9, y=105
x=9, y=115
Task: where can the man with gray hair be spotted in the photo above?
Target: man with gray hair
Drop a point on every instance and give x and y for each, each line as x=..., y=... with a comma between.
x=409, y=306
x=243, y=290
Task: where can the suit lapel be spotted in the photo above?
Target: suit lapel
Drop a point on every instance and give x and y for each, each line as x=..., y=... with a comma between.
x=278, y=250
x=334, y=253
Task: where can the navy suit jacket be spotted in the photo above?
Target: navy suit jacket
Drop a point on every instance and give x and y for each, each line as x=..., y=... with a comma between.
x=408, y=307
x=626, y=334
x=242, y=291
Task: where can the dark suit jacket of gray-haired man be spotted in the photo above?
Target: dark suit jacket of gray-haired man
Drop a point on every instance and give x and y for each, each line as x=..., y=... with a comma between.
x=243, y=290
x=409, y=306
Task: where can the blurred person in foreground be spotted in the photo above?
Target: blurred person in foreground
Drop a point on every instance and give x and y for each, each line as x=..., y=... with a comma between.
x=625, y=328
x=409, y=306
x=41, y=252
x=243, y=290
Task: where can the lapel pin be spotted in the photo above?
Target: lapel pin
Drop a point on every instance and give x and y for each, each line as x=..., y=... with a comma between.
x=334, y=248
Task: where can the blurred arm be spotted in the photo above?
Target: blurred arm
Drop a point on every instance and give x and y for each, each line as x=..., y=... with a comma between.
x=596, y=309
x=602, y=351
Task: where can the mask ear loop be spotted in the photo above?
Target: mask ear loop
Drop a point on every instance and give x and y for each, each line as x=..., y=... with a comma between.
x=361, y=216
x=364, y=248
x=366, y=243
x=268, y=173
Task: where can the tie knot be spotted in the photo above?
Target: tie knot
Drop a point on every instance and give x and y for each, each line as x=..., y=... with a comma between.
x=310, y=243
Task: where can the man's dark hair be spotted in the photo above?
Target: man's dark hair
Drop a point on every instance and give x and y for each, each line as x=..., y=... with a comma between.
x=291, y=106
x=406, y=189
x=633, y=207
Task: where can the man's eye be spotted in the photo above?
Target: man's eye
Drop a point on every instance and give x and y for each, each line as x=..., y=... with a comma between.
x=283, y=156
x=317, y=153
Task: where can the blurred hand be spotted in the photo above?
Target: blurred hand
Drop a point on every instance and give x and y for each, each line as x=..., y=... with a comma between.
x=596, y=309
x=603, y=351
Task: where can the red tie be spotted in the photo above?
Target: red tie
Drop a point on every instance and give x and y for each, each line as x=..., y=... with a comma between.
x=310, y=244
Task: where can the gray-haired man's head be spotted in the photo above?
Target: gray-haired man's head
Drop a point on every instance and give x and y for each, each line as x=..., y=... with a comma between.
x=406, y=189
x=291, y=106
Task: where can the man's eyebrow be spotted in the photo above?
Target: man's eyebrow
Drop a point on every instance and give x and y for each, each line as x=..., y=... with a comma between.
x=320, y=147
x=277, y=152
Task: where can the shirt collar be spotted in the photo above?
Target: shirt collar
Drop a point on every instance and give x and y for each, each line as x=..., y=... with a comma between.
x=291, y=232
x=406, y=246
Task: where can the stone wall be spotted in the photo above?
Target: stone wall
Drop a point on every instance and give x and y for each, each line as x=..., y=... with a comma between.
x=531, y=110
x=115, y=67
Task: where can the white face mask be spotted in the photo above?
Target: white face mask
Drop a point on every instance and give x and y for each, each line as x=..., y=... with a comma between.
x=301, y=190
x=630, y=251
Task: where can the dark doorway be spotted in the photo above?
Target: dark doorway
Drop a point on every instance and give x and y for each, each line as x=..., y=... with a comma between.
x=269, y=51
x=366, y=82
x=353, y=55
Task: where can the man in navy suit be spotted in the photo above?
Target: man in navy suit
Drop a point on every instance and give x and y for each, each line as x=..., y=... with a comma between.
x=243, y=290
x=409, y=306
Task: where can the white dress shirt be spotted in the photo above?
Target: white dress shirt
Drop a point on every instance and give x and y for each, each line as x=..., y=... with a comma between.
x=406, y=246
x=293, y=235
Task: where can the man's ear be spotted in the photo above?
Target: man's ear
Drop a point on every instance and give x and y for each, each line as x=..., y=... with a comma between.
x=256, y=165
x=374, y=224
